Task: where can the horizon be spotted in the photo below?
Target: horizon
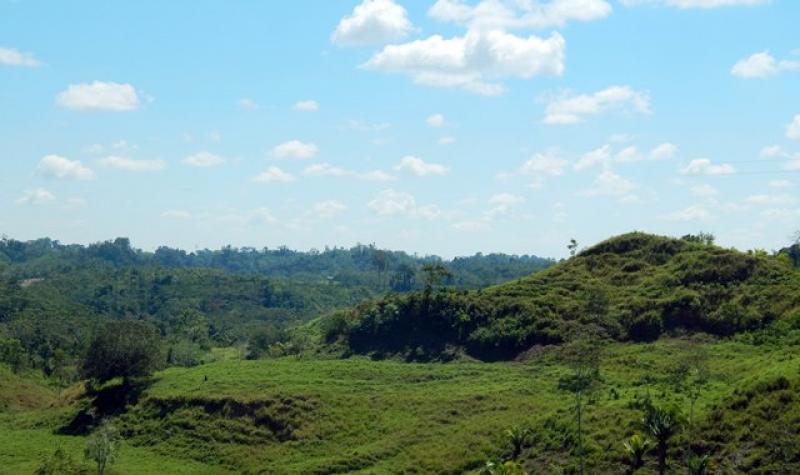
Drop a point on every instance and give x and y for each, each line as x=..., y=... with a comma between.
x=260, y=125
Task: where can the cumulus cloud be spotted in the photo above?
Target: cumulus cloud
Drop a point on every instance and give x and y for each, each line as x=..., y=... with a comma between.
x=13, y=57
x=132, y=165
x=762, y=65
x=609, y=183
x=793, y=129
x=475, y=61
x=38, y=196
x=502, y=202
x=542, y=165
x=247, y=103
x=176, y=214
x=373, y=22
x=308, y=105
x=61, y=167
x=688, y=4
x=397, y=203
x=204, y=160
x=510, y=15
x=604, y=155
x=435, y=120
x=690, y=213
x=419, y=167
x=447, y=140
x=99, y=95
x=273, y=174
x=704, y=166
x=568, y=108
x=326, y=169
x=327, y=209
x=295, y=149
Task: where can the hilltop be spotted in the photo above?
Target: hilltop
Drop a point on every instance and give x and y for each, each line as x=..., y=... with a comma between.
x=633, y=287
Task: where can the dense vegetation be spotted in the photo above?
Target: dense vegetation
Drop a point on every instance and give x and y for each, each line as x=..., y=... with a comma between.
x=54, y=297
x=634, y=287
x=642, y=354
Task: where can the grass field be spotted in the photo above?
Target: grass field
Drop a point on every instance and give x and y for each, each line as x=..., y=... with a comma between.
x=342, y=416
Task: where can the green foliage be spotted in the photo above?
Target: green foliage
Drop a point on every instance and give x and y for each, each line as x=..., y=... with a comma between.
x=102, y=446
x=662, y=423
x=503, y=468
x=60, y=463
x=518, y=438
x=126, y=349
x=635, y=449
x=634, y=287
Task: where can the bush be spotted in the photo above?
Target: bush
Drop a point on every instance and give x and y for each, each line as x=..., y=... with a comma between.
x=125, y=349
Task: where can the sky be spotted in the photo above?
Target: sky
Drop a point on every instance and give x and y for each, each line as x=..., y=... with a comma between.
x=443, y=126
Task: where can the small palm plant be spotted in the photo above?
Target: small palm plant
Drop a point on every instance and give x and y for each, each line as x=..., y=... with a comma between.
x=519, y=438
x=635, y=448
x=698, y=464
x=503, y=468
x=662, y=423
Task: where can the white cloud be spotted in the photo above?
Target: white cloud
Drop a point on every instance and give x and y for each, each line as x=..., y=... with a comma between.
x=99, y=95
x=664, y=151
x=542, y=165
x=397, y=203
x=325, y=169
x=473, y=62
x=609, y=183
x=295, y=149
x=327, y=209
x=704, y=166
x=597, y=156
x=628, y=154
x=61, y=167
x=502, y=202
x=769, y=199
x=446, y=140
x=793, y=129
x=704, y=191
x=247, y=103
x=132, y=165
x=204, y=160
x=306, y=106
x=435, y=120
x=787, y=215
x=419, y=167
x=372, y=22
x=772, y=151
x=273, y=174
x=762, y=65
x=509, y=14
x=38, y=196
x=13, y=57
x=367, y=127
x=687, y=4
x=568, y=108
x=690, y=213
x=779, y=184
x=176, y=214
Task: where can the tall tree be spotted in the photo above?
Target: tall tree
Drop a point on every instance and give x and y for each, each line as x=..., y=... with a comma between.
x=123, y=349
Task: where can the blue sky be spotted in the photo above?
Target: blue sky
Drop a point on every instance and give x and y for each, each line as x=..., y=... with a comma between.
x=445, y=127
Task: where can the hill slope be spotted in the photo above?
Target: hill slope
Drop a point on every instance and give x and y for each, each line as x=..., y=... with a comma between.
x=631, y=287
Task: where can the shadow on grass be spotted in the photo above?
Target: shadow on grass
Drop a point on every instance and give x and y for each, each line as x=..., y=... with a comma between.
x=108, y=401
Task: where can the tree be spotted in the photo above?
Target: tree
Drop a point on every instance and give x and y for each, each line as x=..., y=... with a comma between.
x=380, y=261
x=123, y=349
x=582, y=355
x=662, y=423
x=102, y=446
x=60, y=463
x=435, y=275
x=518, y=437
x=572, y=247
x=635, y=448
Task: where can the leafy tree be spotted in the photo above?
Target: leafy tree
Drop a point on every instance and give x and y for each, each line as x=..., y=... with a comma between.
x=126, y=349
x=662, y=423
x=572, y=247
x=102, y=446
x=435, y=275
x=582, y=355
x=519, y=438
x=635, y=449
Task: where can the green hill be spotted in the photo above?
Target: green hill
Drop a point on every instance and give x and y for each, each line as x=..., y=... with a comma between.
x=634, y=287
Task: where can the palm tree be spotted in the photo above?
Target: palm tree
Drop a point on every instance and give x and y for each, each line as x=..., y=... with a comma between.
x=662, y=423
x=635, y=448
x=519, y=438
x=698, y=464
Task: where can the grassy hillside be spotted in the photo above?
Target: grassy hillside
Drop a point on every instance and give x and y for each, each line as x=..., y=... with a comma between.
x=298, y=416
x=634, y=287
